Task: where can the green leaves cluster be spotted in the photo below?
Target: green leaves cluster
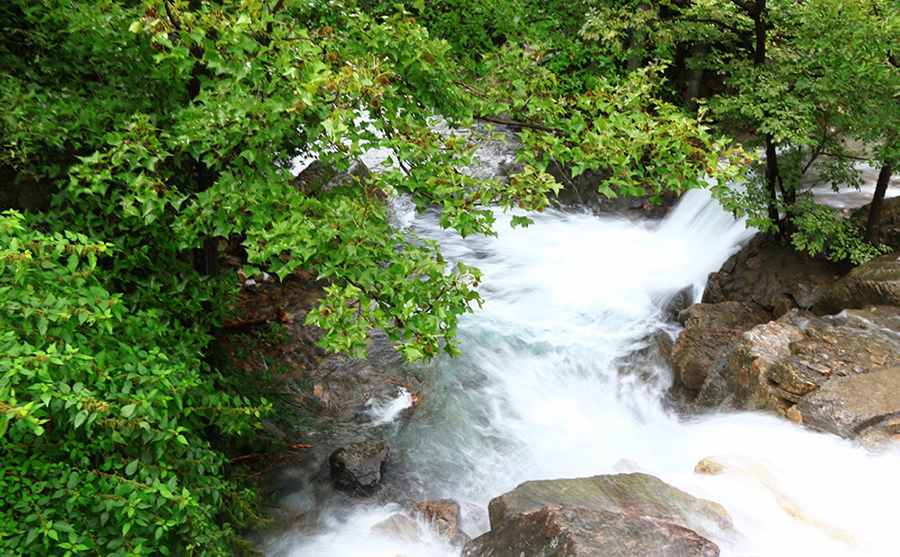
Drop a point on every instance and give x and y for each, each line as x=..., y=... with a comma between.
x=103, y=411
x=639, y=143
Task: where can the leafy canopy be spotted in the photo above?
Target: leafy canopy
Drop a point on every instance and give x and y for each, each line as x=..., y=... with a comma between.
x=163, y=126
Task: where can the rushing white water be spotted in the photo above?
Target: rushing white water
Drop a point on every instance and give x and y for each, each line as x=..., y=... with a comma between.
x=560, y=378
x=847, y=197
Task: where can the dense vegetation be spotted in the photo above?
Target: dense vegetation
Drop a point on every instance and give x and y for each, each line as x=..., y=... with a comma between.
x=135, y=135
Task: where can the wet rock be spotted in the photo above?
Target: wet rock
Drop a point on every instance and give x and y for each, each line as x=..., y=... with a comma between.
x=636, y=495
x=275, y=432
x=889, y=231
x=565, y=531
x=709, y=330
x=581, y=191
x=399, y=527
x=771, y=275
x=876, y=282
x=724, y=315
x=319, y=176
x=840, y=375
x=848, y=405
x=444, y=516
x=331, y=386
x=358, y=467
x=674, y=304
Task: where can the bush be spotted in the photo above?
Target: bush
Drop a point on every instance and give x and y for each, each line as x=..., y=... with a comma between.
x=108, y=414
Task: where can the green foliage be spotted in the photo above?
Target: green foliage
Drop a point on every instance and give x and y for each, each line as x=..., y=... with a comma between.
x=821, y=229
x=104, y=413
x=805, y=80
x=163, y=126
x=641, y=144
x=477, y=30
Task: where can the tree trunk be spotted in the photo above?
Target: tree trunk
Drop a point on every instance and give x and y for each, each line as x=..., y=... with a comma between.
x=759, y=58
x=695, y=75
x=759, y=26
x=873, y=224
x=772, y=178
x=636, y=45
x=636, y=48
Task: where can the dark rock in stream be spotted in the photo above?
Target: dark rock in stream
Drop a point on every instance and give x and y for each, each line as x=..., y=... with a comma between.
x=627, y=515
x=358, y=467
x=771, y=275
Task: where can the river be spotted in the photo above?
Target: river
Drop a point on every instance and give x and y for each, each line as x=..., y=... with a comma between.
x=560, y=377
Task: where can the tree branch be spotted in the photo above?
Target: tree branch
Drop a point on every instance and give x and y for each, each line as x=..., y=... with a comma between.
x=734, y=29
x=174, y=21
x=516, y=123
x=744, y=6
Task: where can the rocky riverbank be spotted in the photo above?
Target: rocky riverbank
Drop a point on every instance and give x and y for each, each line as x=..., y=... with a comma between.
x=826, y=357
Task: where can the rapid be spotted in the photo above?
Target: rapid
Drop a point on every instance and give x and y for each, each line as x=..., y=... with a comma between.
x=561, y=377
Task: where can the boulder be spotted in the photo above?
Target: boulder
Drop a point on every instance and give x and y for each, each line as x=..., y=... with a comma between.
x=635, y=495
x=444, y=517
x=399, y=527
x=875, y=282
x=565, y=531
x=709, y=330
x=849, y=405
x=774, y=276
x=319, y=176
x=840, y=375
x=744, y=376
x=889, y=230
x=358, y=467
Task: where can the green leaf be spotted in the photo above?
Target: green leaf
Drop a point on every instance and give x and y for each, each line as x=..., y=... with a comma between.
x=80, y=417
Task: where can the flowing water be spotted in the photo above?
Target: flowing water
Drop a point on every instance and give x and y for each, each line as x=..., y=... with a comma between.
x=560, y=378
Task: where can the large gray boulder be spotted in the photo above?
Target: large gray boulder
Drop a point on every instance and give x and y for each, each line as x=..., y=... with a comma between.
x=358, y=467
x=709, y=330
x=622, y=515
x=874, y=283
x=635, y=495
x=855, y=405
x=566, y=531
x=772, y=275
x=320, y=177
x=840, y=375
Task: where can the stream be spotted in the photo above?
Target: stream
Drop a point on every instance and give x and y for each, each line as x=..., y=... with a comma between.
x=560, y=377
